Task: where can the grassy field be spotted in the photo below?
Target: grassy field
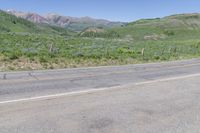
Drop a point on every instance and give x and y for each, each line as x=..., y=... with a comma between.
x=27, y=47
x=32, y=51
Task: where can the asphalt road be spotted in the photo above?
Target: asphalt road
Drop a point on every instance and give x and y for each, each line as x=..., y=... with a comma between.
x=146, y=98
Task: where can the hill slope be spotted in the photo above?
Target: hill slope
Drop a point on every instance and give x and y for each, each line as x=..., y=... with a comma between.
x=181, y=26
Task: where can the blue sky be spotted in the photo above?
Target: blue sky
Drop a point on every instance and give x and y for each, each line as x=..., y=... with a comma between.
x=117, y=10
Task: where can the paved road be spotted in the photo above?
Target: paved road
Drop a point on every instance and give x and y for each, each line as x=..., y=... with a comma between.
x=160, y=97
x=15, y=85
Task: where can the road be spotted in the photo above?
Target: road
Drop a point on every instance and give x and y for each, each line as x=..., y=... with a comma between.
x=145, y=98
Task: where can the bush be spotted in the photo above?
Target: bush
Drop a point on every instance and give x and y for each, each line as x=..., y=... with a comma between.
x=169, y=33
x=43, y=59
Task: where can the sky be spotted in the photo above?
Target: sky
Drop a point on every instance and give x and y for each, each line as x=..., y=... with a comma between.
x=115, y=10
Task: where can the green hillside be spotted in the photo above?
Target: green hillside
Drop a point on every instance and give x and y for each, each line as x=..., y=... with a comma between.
x=25, y=45
x=10, y=23
x=183, y=26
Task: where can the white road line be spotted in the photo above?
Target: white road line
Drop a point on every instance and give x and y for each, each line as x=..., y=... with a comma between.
x=96, y=90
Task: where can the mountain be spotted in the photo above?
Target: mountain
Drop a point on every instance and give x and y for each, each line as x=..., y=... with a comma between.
x=11, y=23
x=144, y=29
x=29, y=16
x=73, y=23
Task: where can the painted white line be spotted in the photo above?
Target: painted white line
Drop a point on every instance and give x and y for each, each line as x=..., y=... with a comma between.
x=96, y=90
x=56, y=95
x=168, y=79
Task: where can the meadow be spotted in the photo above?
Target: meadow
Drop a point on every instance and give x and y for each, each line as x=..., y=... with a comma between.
x=33, y=51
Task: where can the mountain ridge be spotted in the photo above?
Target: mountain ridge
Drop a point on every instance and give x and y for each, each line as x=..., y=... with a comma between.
x=73, y=23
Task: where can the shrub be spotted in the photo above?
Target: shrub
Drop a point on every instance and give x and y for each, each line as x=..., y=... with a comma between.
x=169, y=33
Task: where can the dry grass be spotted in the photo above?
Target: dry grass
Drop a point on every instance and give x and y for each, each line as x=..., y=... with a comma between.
x=26, y=64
